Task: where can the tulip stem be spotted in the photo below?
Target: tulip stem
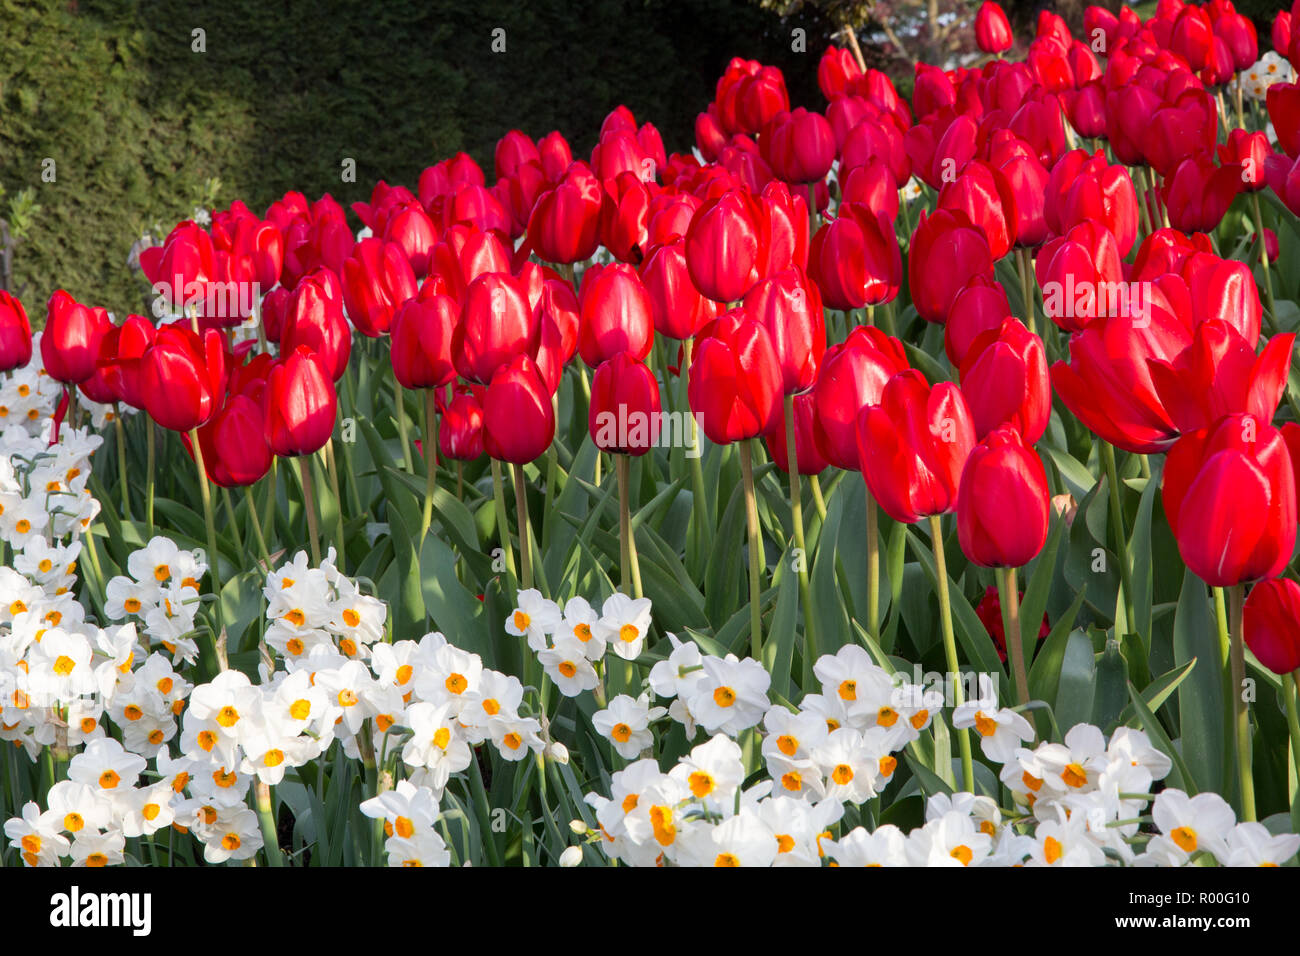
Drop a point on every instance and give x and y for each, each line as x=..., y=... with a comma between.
x=234, y=525
x=205, y=493
x=755, y=555
x=503, y=527
x=1236, y=607
x=1027, y=284
x=460, y=481
x=630, y=567
x=525, y=545
x=1221, y=617
x=120, y=432
x=818, y=501
x=812, y=212
x=1144, y=214
x=399, y=409
x=308, y=500
x=873, y=565
x=1292, y=695
x=950, y=649
x=1009, y=597
x=332, y=469
x=796, y=513
x=430, y=462
x=149, y=473
x=257, y=526
x=1263, y=253
x=700, y=515
x=1121, y=542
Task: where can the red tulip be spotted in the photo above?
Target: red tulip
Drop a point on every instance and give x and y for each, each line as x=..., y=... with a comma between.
x=182, y=377
x=1086, y=109
x=1004, y=379
x=518, y=422
x=460, y=430
x=1249, y=153
x=624, y=218
x=735, y=380
x=1002, y=510
x=447, y=176
x=1230, y=497
x=313, y=317
x=377, y=279
x=1077, y=273
x=1107, y=383
x=70, y=343
x=853, y=374
x=785, y=229
x=235, y=452
x=513, y=149
x=725, y=246
x=624, y=412
x=300, y=404
x=1271, y=624
x=182, y=266
x=421, y=341
x=678, y=307
x=616, y=314
x=496, y=324
x=411, y=228
x=120, y=364
x=872, y=186
x=947, y=251
x=989, y=611
x=556, y=155
x=15, y=334
x=557, y=319
x=984, y=196
x=799, y=146
x=913, y=445
x=789, y=307
x=1184, y=128
x=565, y=222
x=1223, y=289
x=979, y=306
x=855, y=260
x=1197, y=193
x=1219, y=374
x=836, y=67
x=1084, y=188
x=992, y=29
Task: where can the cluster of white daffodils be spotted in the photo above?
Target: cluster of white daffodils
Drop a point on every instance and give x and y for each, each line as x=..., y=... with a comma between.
x=409, y=814
x=571, y=643
x=1272, y=68
x=43, y=486
x=160, y=593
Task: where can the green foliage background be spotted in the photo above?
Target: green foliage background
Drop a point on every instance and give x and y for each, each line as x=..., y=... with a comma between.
x=137, y=123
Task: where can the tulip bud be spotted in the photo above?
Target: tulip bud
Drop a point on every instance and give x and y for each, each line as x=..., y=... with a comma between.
x=1002, y=508
x=1271, y=624
x=421, y=338
x=518, y=422
x=70, y=343
x=790, y=308
x=735, y=380
x=615, y=314
x=301, y=404
x=460, y=431
x=808, y=458
x=183, y=377
x=992, y=29
x=313, y=316
x=725, y=246
x=15, y=334
x=913, y=445
x=1004, y=379
x=855, y=259
x=496, y=324
x=624, y=412
x=678, y=307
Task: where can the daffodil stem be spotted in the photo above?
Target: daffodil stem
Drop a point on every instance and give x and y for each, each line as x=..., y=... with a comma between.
x=1263, y=256
x=120, y=433
x=1121, y=541
x=257, y=526
x=503, y=527
x=309, y=504
x=796, y=513
x=1236, y=605
x=755, y=554
x=1009, y=597
x=525, y=545
x=266, y=815
x=950, y=649
x=873, y=565
x=430, y=461
x=399, y=409
x=332, y=469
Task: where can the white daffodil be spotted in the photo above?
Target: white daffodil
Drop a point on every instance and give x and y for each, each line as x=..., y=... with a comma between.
x=580, y=620
x=94, y=849
x=680, y=673
x=497, y=695
x=950, y=840
x=732, y=696
x=713, y=771
x=1000, y=732
x=886, y=846
x=567, y=666
x=425, y=848
x=1202, y=822
x=234, y=835
x=626, y=724
x=105, y=765
x=535, y=619
x=36, y=836
x=624, y=624
x=1250, y=844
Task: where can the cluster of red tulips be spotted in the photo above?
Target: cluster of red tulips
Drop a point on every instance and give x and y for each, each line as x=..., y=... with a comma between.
x=736, y=254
